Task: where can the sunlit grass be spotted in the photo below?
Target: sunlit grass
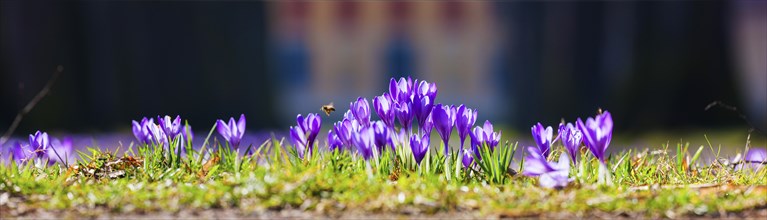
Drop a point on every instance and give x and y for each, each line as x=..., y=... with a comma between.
x=666, y=182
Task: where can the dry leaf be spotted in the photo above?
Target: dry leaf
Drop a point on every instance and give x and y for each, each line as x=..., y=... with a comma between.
x=208, y=165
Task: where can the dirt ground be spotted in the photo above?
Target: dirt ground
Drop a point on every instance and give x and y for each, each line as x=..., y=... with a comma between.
x=16, y=208
x=102, y=213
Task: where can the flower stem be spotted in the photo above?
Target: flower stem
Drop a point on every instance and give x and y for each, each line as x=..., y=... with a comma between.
x=605, y=177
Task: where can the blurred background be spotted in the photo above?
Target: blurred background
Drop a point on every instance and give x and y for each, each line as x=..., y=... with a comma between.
x=655, y=65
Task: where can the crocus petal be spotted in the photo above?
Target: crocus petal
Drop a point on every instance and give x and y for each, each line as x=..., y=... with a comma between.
x=19, y=152
x=361, y=111
x=551, y=175
x=535, y=163
x=589, y=138
x=223, y=130
x=607, y=128
x=488, y=127
x=382, y=136
x=754, y=159
x=364, y=142
x=60, y=150
x=404, y=114
x=556, y=179
x=384, y=109
x=233, y=129
x=465, y=118
x=137, y=131
x=755, y=155
x=428, y=125
x=420, y=147
x=468, y=158
x=334, y=143
x=301, y=121
x=422, y=108
x=241, y=125
x=393, y=88
x=299, y=140
x=563, y=163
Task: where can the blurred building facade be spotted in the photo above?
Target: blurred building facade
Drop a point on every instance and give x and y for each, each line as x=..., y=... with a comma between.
x=653, y=64
x=335, y=51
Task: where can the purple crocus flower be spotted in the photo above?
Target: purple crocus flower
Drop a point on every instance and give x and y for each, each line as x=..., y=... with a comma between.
x=306, y=132
x=384, y=107
x=542, y=138
x=597, y=133
x=484, y=136
x=382, y=135
x=348, y=115
x=444, y=120
x=141, y=130
x=560, y=130
x=60, y=150
x=425, y=89
x=39, y=143
x=361, y=111
x=233, y=131
x=465, y=118
x=171, y=127
x=478, y=139
x=364, y=140
x=20, y=152
x=404, y=114
x=401, y=91
x=755, y=159
x=157, y=135
x=311, y=125
x=298, y=136
x=420, y=147
x=423, y=100
x=571, y=139
x=428, y=125
x=422, y=108
x=551, y=175
x=343, y=129
x=334, y=142
x=468, y=158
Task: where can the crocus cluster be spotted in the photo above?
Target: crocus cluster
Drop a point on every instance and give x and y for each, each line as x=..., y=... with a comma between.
x=42, y=148
x=167, y=130
x=170, y=130
x=595, y=133
x=357, y=131
x=407, y=115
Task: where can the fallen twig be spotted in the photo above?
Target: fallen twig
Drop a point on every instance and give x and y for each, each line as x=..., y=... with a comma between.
x=734, y=109
x=24, y=111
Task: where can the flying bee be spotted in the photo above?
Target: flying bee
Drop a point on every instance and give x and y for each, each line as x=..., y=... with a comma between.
x=328, y=108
